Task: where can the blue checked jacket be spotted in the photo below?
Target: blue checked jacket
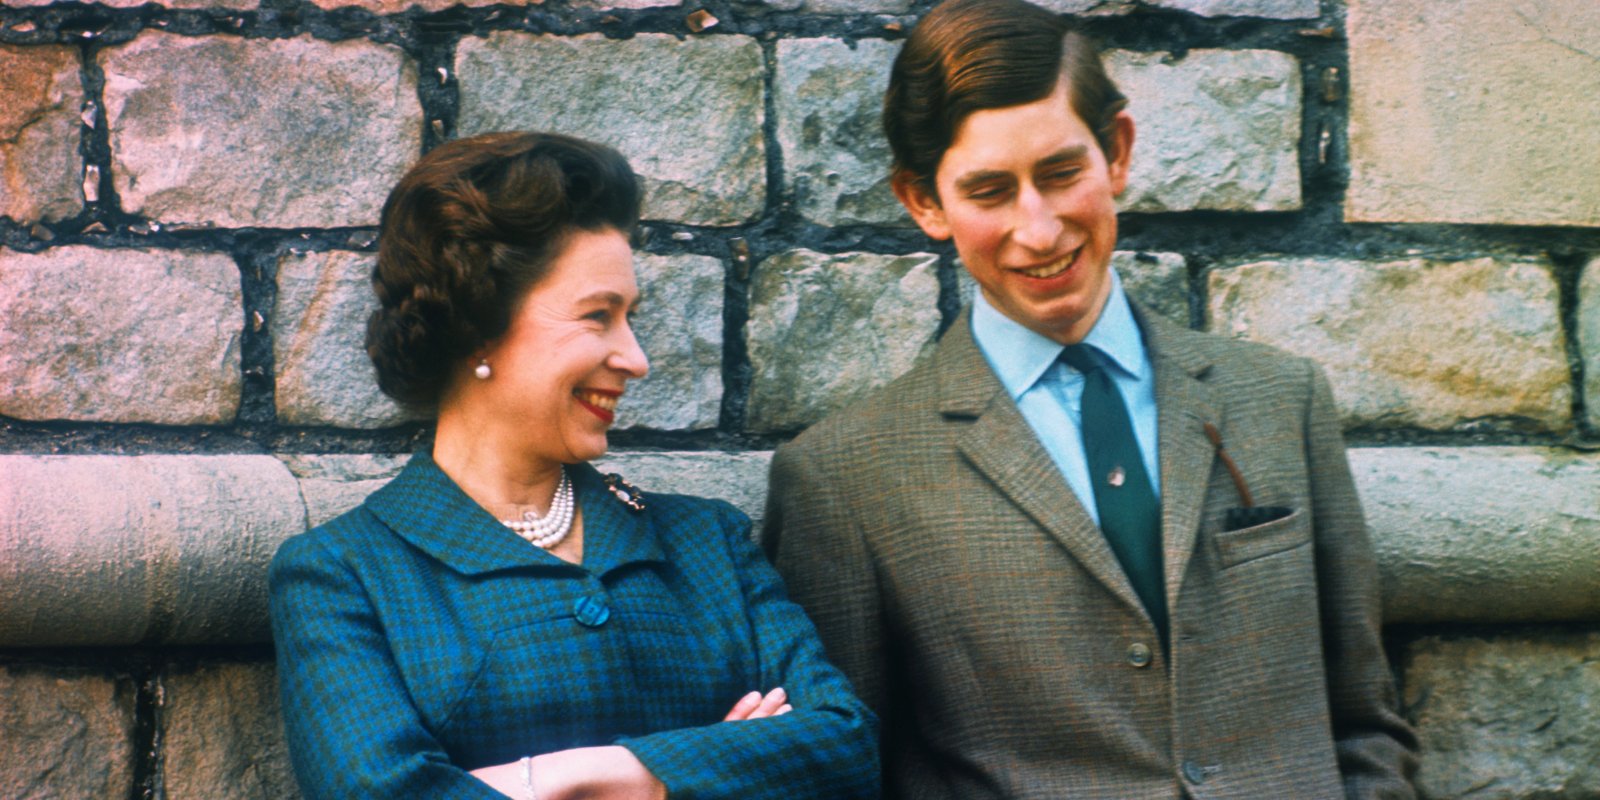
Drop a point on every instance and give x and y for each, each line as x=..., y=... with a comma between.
x=418, y=638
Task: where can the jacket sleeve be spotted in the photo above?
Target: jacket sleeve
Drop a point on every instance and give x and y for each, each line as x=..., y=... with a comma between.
x=1375, y=746
x=352, y=730
x=825, y=748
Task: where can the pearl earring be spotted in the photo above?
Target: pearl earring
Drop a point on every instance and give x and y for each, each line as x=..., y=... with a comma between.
x=482, y=370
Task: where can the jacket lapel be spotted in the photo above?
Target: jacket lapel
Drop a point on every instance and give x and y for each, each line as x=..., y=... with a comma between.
x=1185, y=402
x=999, y=444
x=427, y=509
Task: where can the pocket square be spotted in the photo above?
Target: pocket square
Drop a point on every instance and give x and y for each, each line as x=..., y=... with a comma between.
x=1250, y=516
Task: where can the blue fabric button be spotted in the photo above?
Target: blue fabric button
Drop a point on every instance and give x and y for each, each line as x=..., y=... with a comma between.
x=1194, y=772
x=591, y=611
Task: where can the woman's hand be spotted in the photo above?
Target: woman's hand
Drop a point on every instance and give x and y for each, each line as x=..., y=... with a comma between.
x=609, y=772
x=592, y=773
x=755, y=706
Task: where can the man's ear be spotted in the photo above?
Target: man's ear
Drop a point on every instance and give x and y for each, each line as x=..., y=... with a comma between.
x=923, y=205
x=1117, y=163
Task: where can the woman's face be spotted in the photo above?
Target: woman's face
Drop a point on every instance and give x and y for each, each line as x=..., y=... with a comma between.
x=559, y=370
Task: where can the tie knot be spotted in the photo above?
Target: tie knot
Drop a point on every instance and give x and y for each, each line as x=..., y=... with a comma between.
x=1082, y=357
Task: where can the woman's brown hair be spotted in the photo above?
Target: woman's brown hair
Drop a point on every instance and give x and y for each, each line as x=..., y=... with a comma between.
x=467, y=232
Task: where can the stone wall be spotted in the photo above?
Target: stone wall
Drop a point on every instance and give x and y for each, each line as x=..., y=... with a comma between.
x=1402, y=189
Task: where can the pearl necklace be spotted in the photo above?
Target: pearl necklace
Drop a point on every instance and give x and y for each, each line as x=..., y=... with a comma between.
x=547, y=531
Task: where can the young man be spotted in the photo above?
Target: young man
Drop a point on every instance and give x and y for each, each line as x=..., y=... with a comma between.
x=1082, y=551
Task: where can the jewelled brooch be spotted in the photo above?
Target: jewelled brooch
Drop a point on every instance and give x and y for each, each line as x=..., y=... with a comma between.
x=627, y=493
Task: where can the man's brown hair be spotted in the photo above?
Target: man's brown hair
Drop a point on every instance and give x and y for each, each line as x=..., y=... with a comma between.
x=970, y=55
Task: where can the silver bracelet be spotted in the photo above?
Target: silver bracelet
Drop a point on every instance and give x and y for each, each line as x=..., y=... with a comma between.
x=527, y=777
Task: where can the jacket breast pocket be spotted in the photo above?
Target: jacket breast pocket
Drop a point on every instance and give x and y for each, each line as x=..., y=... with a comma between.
x=1236, y=547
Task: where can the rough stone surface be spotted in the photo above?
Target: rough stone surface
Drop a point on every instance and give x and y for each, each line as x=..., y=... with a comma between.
x=120, y=336
x=829, y=101
x=175, y=550
x=334, y=484
x=1442, y=131
x=1217, y=129
x=1589, y=337
x=1483, y=534
x=39, y=103
x=1412, y=342
x=825, y=329
x=687, y=114
x=318, y=332
x=680, y=328
x=1508, y=717
x=1158, y=280
x=279, y=133
x=739, y=478
x=397, y=6
x=222, y=733
x=67, y=734
x=856, y=6
x=1272, y=9
x=173, y=4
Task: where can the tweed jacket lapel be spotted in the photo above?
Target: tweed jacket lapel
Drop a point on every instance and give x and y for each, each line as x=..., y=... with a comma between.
x=1000, y=444
x=1184, y=404
x=427, y=509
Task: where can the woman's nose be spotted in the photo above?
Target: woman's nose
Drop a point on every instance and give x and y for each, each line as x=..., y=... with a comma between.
x=629, y=357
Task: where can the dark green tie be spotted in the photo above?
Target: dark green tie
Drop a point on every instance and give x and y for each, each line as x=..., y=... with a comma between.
x=1130, y=512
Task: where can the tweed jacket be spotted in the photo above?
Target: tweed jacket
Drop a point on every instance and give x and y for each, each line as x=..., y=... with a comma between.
x=418, y=638
x=964, y=589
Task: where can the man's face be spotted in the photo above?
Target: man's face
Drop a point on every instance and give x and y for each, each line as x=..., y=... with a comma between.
x=1030, y=199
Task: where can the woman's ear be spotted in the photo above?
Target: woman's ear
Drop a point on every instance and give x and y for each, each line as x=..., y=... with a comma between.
x=1117, y=163
x=923, y=204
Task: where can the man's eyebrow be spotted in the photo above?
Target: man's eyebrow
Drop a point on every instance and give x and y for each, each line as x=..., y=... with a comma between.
x=973, y=179
x=1076, y=152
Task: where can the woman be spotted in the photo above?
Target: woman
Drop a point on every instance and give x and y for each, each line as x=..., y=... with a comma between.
x=500, y=619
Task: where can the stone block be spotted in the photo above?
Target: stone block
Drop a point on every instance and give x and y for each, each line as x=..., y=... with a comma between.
x=1216, y=129
x=120, y=336
x=67, y=734
x=1475, y=111
x=334, y=484
x=687, y=113
x=1413, y=342
x=1507, y=717
x=856, y=7
x=679, y=325
x=1158, y=280
x=825, y=329
x=172, y=4
x=739, y=478
x=222, y=735
x=279, y=133
x=1271, y=9
x=319, y=329
x=828, y=97
x=1483, y=534
x=1589, y=337
x=40, y=98
x=172, y=549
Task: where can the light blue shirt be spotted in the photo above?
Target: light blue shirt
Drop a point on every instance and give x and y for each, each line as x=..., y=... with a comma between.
x=1050, y=394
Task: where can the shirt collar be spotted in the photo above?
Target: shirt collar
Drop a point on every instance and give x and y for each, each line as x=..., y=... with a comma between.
x=1020, y=357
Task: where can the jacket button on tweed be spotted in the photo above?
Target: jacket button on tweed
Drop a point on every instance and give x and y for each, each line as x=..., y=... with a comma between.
x=1139, y=654
x=591, y=611
x=1194, y=772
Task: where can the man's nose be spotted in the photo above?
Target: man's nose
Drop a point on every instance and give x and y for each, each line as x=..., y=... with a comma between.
x=1037, y=227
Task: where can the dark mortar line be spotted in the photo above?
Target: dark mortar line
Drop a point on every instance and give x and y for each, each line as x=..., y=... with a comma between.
x=146, y=741
x=440, y=100
x=1569, y=266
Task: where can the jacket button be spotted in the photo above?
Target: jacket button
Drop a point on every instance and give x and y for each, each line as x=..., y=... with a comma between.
x=591, y=611
x=1139, y=654
x=1194, y=772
